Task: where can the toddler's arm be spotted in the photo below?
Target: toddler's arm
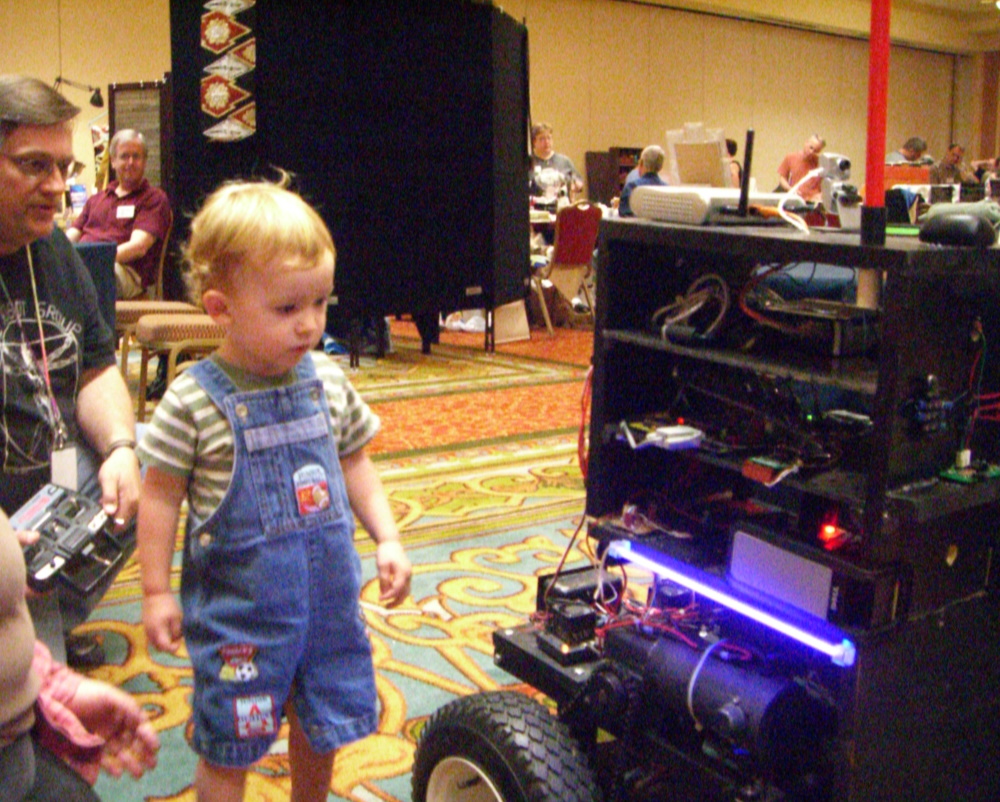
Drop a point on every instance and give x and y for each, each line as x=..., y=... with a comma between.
x=162, y=494
x=370, y=503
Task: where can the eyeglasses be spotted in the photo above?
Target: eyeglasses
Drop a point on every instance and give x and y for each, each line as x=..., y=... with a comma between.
x=40, y=167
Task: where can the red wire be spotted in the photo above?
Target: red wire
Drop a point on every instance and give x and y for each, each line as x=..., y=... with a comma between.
x=761, y=318
x=972, y=370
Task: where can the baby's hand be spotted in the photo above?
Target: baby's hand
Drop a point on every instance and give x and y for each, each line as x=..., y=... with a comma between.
x=161, y=616
x=393, y=572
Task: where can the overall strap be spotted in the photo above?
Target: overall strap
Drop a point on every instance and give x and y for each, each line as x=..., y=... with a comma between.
x=213, y=381
x=306, y=369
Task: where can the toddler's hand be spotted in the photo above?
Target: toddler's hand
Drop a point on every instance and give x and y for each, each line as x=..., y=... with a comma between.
x=393, y=572
x=161, y=616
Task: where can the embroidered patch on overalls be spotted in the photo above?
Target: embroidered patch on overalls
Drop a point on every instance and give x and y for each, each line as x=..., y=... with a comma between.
x=237, y=663
x=311, y=489
x=255, y=716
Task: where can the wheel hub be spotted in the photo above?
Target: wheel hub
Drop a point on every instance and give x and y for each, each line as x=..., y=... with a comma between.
x=456, y=779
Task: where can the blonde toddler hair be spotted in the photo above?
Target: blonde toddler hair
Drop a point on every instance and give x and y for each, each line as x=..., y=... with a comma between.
x=248, y=224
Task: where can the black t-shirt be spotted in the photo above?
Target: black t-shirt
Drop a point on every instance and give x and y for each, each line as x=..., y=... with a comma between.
x=76, y=340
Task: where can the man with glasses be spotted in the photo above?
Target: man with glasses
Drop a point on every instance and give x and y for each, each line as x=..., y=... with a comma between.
x=67, y=414
x=130, y=212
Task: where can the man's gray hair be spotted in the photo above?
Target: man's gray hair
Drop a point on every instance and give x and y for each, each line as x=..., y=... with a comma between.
x=28, y=101
x=915, y=143
x=127, y=135
x=652, y=158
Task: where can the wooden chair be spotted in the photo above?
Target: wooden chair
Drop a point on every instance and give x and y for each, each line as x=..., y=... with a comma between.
x=156, y=291
x=572, y=252
x=127, y=313
x=169, y=336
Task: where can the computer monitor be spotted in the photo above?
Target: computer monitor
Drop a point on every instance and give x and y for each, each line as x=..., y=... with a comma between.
x=697, y=156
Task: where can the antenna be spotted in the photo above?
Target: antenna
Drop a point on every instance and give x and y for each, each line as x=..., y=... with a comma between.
x=745, y=179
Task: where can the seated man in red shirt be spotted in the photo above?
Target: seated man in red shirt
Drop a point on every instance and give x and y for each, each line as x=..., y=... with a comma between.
x=795, y=166
x=130, y=212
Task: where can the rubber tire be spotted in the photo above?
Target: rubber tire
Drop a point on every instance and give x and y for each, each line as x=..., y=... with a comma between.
x=522, y=750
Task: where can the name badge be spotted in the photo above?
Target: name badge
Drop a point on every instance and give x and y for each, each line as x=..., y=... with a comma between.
x=126, y=212
x=64, y=467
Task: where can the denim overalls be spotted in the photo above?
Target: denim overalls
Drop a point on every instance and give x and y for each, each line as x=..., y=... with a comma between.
x=271, y=581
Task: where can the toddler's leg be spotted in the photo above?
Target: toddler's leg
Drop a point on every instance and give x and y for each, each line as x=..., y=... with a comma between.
x=218, y=784
x=311, y=771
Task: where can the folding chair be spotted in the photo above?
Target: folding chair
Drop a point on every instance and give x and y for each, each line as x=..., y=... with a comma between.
x=572, y=252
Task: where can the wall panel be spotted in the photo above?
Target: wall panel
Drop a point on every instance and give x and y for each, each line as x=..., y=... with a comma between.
x=600, y=70
x=651, y=69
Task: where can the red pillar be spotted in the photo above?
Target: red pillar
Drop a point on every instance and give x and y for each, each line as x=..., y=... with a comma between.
x=873, y=213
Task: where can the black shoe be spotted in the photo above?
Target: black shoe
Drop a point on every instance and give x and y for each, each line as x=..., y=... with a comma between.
x=158, y=386
x=155, y=389
x=84, y=652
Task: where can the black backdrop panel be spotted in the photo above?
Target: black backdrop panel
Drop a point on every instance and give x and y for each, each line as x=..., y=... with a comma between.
x=404, y=124
x=199, y=163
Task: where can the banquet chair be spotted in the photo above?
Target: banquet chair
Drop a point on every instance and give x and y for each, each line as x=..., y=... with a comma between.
x=156, y=291
x=127, y=313
x=170, y=336
x=572, y=253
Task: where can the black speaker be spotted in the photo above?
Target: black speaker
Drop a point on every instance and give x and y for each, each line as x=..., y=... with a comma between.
x=404, y=123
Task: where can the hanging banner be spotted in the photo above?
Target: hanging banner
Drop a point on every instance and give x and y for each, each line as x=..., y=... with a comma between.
x=229, y=56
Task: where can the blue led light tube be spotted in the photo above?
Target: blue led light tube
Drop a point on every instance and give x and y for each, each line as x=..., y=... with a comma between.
x=802, y=627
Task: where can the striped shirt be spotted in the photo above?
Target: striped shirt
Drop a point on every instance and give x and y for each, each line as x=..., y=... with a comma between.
x=190, y=437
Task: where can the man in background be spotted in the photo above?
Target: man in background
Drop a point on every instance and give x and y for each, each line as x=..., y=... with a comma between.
x=795, y=166
x=550, y=172
x=650, y=163
x=951, y=169
x=67, y=414
x=913, y=151
x=129, y=212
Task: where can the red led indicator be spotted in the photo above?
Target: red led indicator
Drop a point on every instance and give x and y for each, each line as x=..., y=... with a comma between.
x=830, y=532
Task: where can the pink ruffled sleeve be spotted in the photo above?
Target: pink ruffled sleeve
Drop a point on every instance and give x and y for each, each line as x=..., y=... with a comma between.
x=59, y=730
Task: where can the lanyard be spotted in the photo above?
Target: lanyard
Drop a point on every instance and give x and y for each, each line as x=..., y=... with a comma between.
x=59, y=433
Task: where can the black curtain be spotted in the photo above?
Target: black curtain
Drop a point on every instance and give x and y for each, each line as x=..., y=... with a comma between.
x=404, y=124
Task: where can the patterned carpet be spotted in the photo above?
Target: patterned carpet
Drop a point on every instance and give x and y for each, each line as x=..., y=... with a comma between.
x=478, y=453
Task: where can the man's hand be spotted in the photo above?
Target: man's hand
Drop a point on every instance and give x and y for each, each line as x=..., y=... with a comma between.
x=26, y=537
x=105, y=416
x=120, y=480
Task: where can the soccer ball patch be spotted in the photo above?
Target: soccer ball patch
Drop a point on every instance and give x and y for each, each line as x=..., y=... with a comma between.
x=237, y=663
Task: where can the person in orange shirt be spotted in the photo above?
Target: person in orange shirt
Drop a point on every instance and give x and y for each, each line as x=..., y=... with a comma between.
x=795, y=166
